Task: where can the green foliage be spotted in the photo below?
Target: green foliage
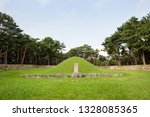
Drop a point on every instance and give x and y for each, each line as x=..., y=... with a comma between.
x=17, y=47
x=88, y=53
x=130, y=44
x=51, y=48
x=9, y=33
x=84, y=51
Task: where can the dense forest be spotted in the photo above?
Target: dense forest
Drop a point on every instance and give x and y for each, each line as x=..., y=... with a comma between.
x=129, y=45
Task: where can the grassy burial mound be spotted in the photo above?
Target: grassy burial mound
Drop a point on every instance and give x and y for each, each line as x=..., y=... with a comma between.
x=66, y=70
x=67, y=66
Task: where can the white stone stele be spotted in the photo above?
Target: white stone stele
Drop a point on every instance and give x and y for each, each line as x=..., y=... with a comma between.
x=76, y=68
x=76, y=73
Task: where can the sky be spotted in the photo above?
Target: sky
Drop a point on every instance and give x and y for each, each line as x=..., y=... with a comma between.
x=73, y=22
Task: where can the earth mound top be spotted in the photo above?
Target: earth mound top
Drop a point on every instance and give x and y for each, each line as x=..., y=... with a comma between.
x=67, y=66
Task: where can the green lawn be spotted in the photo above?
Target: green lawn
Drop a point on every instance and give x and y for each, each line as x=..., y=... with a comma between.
x=132, y=85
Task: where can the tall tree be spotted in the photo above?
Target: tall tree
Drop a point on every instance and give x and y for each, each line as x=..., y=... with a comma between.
x=131, y=42
x=144, y=37
x=8, y=32
x=52, y=48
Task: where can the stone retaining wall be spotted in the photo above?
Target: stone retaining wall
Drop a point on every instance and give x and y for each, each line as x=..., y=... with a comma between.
x=69, y=75
x=15, y=67
x=129, y=67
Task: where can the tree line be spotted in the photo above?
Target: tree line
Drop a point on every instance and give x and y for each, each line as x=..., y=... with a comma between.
x=88, y=53
x=130, y=44
x=16, y=47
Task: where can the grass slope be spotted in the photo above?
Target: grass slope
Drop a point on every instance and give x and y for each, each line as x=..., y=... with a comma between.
x=67, y=66
x=132, y=85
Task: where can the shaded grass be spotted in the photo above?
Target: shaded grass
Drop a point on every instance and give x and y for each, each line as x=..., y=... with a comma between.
x=132, y=85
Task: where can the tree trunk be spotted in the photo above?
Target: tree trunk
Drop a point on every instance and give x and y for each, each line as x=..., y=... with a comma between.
x=17, y=57
x=24, y=54
x=2, y=54
x=143, y=58
x=48, y=59
x=135, y=60
x=6, y=54
x=36, y=60
x=119, y=61
x=56, y=61
x=129, y=61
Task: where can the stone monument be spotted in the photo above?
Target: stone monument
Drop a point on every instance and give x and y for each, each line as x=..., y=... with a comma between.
x=76, y=68
x=76, y=73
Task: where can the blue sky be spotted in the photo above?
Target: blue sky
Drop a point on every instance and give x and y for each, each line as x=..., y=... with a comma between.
x=74, y=22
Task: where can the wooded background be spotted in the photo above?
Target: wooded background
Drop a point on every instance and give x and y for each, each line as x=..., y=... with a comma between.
x=129, y=45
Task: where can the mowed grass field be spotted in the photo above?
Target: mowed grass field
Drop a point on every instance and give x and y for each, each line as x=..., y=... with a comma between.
x=132, y=85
